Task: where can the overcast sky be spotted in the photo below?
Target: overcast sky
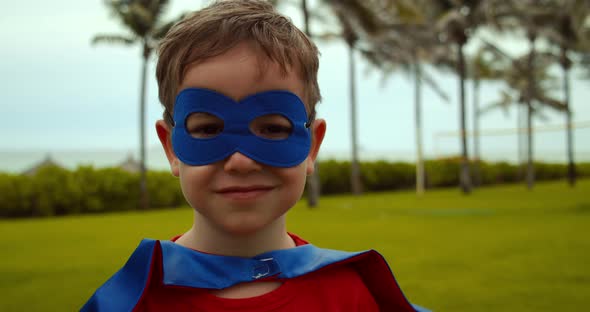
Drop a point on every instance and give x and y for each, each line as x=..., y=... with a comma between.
x=57, y=92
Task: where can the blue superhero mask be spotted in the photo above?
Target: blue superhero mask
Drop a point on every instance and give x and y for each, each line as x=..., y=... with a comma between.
x=285, y=144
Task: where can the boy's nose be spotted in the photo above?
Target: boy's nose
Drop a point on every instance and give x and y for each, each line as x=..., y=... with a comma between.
x=238, y=162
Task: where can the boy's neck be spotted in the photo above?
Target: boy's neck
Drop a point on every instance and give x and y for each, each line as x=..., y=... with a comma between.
x=205, y=238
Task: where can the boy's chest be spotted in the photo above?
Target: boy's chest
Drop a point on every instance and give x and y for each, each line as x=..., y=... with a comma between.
x=247, y=290
x=336, y=289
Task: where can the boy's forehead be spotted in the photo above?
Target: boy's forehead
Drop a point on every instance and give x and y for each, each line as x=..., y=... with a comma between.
x=242, y=71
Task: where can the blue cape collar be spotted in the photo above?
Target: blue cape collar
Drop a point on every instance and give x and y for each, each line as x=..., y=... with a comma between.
x=186, y=267
x=189, y=268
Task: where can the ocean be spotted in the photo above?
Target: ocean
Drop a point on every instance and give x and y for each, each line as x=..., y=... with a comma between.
x=17, y=161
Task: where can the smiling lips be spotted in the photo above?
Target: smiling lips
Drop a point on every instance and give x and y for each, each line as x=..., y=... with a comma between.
x=246, y=192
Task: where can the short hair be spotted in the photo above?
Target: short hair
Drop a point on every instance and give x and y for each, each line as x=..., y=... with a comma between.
x=219, y=27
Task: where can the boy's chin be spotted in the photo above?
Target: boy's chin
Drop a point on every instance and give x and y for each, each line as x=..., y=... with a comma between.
x=248, y=227
x=254, y=223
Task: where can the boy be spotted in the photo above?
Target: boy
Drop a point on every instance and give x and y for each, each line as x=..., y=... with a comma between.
x=239, y=86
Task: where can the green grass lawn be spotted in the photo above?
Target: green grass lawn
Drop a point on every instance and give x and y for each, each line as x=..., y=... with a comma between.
x=499, y=249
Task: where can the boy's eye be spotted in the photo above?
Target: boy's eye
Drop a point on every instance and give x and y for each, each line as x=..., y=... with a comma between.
x=204, y=125
x=274, y=127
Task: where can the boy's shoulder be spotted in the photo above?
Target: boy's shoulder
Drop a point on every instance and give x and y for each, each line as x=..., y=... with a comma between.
x=169, y=264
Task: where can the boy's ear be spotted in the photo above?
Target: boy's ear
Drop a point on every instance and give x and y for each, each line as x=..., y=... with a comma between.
x=318, y=130
x=165, y=135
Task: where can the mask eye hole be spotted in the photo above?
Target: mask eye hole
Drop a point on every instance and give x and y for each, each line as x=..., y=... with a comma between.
x=204, y=125
x=273, y=127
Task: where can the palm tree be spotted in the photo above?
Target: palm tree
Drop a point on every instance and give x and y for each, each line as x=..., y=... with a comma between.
x=367, y=26
x=304, y=12
x=482, y=66
x=355, y=20
x=306, y=19
x=535, y=17
x=585, y=62
x=568, y=36
x=456, y=22
x=404, y=43
x=142, y=19
x=313, y=181
x=516, y=73
x=351, y=39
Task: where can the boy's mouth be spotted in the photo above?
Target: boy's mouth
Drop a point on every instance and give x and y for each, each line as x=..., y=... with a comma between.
x=244, y=192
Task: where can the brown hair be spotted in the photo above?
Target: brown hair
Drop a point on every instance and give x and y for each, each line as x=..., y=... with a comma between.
x=219, y=27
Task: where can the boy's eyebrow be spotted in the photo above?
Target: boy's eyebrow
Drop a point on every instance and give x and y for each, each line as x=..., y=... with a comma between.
x=311, y=117
x=170, y=120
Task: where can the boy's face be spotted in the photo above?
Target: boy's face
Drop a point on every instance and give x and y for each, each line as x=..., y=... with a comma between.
x=238, y=195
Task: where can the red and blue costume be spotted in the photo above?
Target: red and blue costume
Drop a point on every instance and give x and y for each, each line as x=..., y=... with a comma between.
x=164, y=276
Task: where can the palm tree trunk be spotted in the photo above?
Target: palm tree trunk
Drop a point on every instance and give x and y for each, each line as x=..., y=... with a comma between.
x=520, y=124
x=313, y=181
x=530, y=174
x=418, y=125
x=571, y=168
x=464, y=176
x=305, y=12
x=530, y=168
x=355, y=175
x=313, y=187
x=144, y=199
x=476, y=151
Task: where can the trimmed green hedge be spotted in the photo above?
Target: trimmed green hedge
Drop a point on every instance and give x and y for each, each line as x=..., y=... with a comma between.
x=56, y=191
x=386, y=176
